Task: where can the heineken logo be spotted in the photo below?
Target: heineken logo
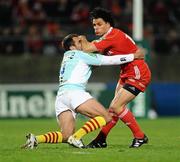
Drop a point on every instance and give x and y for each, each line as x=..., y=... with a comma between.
x=27, y=104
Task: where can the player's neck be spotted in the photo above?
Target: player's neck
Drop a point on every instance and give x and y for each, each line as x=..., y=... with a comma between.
x=108, y=31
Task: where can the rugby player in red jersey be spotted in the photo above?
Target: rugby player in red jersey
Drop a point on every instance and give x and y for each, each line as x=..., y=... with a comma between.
x=133, y=79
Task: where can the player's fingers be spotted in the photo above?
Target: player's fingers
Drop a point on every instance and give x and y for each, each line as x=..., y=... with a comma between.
x=82, y=37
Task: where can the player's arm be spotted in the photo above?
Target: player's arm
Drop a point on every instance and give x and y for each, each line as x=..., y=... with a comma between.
x=86, y=45
x=98, y=59
x=117, y=59
x=122, y=59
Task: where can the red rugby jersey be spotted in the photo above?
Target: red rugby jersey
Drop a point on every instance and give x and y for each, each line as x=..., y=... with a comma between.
x=116, y=42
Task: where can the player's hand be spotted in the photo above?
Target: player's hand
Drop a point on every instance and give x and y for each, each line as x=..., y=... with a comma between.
x=140, y=53
x=83, y=38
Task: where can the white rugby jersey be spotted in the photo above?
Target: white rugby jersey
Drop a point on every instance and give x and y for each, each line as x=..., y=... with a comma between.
x=76, y=67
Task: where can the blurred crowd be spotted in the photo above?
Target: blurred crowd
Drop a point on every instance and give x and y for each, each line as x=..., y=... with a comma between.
x=36, y=27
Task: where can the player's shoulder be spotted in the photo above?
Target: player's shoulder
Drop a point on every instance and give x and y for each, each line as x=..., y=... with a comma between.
x=118, y=31
x=73, y=52
x=79, y=54
x=115, y=32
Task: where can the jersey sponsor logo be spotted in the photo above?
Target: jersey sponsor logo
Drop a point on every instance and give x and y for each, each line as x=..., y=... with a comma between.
x=123, y=59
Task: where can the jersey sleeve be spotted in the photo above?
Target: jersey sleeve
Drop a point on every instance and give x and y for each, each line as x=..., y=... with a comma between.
x=98, y=59
x=90, y=58
x=103, y=44
x=117, y=59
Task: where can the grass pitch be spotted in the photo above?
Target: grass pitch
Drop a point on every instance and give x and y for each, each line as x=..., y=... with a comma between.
x=163, y=133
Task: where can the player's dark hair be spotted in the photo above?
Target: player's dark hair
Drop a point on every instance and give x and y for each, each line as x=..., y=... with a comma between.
x=106, y=15
x=67, y=42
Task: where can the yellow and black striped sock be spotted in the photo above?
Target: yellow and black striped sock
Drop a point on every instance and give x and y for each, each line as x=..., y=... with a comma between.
x=50, y=137
x=90, y=126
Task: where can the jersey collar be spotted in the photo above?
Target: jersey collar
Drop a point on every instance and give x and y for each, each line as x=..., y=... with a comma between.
x=110, y=29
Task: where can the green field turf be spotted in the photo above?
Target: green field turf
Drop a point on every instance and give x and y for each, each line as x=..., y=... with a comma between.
x=164, y=144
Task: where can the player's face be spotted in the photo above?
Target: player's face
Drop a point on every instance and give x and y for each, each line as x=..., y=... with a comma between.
x=100, y=26
x=77, y=43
